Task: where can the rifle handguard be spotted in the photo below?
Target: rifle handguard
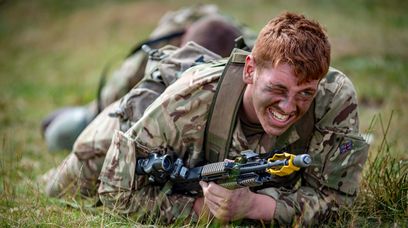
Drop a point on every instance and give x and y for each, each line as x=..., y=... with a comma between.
x=293, y=163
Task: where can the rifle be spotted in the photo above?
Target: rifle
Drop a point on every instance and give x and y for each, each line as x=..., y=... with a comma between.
x=248, y=170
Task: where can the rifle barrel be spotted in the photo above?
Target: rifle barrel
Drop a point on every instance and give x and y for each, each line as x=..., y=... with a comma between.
x=263, y=166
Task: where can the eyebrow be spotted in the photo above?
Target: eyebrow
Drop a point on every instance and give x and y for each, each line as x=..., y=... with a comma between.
x=280, y=86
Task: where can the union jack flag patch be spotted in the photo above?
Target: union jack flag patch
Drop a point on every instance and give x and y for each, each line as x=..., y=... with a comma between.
x=346, y=147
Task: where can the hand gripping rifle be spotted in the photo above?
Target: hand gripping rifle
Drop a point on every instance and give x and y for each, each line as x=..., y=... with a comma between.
x=248, y=170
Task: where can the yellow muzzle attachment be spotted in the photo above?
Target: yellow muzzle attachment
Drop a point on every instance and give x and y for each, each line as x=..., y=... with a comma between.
x=285, y=169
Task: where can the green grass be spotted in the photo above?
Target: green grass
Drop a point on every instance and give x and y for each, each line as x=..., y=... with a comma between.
x=54, y=51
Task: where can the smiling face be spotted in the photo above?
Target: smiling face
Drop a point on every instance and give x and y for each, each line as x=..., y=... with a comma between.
x=274, y=98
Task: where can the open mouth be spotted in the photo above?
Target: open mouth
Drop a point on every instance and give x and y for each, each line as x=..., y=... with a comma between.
x=279, y=117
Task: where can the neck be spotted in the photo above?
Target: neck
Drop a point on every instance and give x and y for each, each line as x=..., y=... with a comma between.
x=249, y=114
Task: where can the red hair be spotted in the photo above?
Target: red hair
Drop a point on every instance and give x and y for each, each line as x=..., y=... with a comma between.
x=292, y=39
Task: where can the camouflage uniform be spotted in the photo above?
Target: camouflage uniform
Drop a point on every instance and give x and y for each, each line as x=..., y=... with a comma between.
x=175, y=124
x=80, y=170
x=62, y=127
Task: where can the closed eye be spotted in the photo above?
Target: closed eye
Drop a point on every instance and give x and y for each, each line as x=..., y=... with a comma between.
x=277, y=89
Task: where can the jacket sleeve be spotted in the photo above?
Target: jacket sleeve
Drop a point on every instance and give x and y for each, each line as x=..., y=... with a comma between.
x=172, y=124
x=338, y=153
x=126, y=192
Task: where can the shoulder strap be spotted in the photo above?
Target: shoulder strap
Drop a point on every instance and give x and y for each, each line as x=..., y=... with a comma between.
x=224, y=108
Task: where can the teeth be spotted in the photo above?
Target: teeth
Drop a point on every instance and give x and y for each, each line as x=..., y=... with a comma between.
x=280, y=116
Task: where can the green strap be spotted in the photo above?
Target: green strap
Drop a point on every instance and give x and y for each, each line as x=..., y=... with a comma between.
x=224, y=108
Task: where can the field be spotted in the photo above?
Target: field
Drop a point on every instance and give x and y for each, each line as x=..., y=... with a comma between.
x=53, y=53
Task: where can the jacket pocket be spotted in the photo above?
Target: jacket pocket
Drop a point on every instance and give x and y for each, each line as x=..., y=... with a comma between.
x=120, y=163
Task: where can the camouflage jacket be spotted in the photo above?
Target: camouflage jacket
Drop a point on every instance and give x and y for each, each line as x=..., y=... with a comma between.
x=176, y=122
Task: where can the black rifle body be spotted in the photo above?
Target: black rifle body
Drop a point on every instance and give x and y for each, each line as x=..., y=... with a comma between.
x=248, y=171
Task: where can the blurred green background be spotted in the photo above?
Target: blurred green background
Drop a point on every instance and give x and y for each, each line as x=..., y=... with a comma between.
x=53, y=52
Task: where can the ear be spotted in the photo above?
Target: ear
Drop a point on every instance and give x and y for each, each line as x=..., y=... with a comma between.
x=249, y=70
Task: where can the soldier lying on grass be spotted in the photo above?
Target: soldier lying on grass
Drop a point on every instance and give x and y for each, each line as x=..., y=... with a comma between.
x=288, y=99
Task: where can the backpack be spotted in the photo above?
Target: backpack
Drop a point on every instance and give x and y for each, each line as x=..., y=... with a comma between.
x=62, y=127
x=168, y=32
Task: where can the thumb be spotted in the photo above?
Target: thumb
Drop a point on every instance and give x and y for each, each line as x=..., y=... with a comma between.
x=203, y=184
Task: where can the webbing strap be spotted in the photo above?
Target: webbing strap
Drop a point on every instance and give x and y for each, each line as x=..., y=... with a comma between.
x=154, y=41
x=224, y=108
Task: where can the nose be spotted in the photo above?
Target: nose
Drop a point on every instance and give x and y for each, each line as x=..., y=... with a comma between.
x=287, y=105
